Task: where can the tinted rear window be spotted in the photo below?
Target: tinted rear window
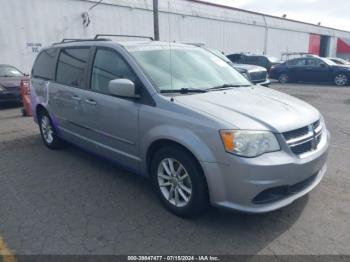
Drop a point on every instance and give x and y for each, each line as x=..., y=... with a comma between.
x=71, y=66
x=45, y=64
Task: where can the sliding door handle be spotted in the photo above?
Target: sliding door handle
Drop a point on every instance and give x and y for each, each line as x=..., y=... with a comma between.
x=91, y=102
x=76, y=98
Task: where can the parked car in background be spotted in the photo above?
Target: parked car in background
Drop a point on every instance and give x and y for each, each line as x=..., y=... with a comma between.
x=185, y=118
x=251, y=59
x=10, y=80
x=255, y=74
x=311, y=69
x=339, y=61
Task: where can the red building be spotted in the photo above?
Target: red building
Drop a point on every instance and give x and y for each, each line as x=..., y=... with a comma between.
x=343, y=48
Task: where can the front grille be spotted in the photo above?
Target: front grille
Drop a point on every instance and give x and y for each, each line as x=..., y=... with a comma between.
x=302, y=148
x=316, y=124
x=258, y=76
x=305, y=139
x=296, y=133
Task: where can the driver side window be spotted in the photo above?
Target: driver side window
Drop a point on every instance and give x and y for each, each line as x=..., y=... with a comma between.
x=109, y=65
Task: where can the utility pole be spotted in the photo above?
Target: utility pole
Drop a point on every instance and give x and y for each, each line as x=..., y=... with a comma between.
x=156, y=20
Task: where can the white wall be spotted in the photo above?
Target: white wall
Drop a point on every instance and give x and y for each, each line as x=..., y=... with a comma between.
x=48, y=21
x=280, y=41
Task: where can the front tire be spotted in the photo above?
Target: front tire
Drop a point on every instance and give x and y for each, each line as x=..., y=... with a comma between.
x=340, y=79
x=179, y=182
x=48, y=132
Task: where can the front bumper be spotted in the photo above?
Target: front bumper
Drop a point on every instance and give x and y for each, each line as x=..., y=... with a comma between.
x=238, y=184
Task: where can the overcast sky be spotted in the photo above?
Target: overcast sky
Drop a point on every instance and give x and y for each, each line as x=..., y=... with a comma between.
x=332, y=13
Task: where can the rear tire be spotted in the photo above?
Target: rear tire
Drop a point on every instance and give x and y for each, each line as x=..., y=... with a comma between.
x=283, y=78
x=48, y=131
x=179, y=182
x=340, y=79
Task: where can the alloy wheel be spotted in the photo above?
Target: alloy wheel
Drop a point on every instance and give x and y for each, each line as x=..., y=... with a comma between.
x=174, y=182
x=47, y=129
x=340, y=80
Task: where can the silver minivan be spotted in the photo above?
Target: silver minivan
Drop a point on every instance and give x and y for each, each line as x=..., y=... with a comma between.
x=183, y=117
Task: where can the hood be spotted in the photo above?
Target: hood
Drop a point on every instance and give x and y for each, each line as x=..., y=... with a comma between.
x=249, y=67
x=253, y=108
x=341, y=67
x=9, y=82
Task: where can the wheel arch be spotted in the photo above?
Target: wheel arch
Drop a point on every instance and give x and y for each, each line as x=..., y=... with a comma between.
x=39, y=108
x=163, y=142
x=160, y=143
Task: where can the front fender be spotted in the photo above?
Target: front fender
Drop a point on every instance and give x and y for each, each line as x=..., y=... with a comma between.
x=184, y=137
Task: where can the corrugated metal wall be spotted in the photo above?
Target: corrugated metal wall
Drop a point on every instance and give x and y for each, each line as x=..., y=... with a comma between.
x=26, y=23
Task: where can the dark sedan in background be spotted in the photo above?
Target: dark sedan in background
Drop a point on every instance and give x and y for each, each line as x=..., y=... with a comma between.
x=255, y=74
x=311, y=69
x=10, y=80
x=259, y=60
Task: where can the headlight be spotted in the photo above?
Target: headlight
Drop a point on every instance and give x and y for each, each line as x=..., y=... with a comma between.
x=249, y=143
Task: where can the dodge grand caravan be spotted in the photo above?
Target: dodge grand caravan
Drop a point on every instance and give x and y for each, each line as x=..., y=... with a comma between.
x=183, y=117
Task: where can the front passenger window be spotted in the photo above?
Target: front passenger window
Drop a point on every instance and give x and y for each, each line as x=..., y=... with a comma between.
x=109, y=65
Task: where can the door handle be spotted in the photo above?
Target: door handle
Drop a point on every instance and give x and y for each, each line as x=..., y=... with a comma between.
x=91, y=102
x=76, y=98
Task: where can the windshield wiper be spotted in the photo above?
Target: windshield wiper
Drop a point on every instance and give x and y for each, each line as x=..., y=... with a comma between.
x=184, y=90
x=224, y=86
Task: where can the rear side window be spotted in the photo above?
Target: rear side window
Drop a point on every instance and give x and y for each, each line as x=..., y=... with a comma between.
x=45, y=64
x=109, y=65
x=72, y=66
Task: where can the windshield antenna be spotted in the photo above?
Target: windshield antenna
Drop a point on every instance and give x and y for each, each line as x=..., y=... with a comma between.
x=170, y=52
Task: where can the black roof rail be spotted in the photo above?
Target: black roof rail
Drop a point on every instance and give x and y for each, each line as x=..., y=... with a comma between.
x=97, y=38
x=131, y=36
x=72, y=40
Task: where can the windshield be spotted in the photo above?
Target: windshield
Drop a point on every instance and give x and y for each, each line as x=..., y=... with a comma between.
x=190, y=68
x=339, y=61
x=273, y=59
x=9, y=71
x=328, y=61
x=219, y=54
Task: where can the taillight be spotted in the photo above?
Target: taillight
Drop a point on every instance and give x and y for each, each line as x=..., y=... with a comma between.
x=25, y=86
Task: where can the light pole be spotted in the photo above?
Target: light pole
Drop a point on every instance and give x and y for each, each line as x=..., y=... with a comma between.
x=156, y=20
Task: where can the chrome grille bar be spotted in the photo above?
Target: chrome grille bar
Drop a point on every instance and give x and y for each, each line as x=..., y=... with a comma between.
x=305, y=139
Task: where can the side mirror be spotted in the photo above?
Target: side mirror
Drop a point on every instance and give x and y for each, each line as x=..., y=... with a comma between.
x=122, y=87
x=323, y=65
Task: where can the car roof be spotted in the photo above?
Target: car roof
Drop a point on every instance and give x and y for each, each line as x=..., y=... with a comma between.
x=248, y=54
x=126, y=44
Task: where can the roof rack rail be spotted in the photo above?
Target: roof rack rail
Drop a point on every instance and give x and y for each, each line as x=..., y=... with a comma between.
x=131, y=36
x=72, y=40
